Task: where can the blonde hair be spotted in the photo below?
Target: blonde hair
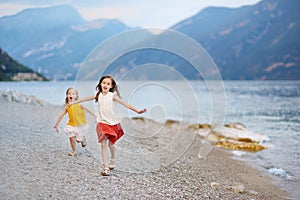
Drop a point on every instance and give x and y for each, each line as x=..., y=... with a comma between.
x=76, y=93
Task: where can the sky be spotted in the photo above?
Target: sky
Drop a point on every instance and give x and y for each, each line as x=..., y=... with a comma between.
x=134, y=13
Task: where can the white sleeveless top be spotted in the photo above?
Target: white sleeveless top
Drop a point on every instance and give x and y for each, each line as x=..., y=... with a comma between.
x=106, y=109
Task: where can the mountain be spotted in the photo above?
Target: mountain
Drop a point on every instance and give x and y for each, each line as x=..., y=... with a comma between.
x=251, y=42
x=11, y=70
x=257, y=42
x=55, y=40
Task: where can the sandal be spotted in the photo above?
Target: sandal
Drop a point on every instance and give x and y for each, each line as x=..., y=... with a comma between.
x=105, y=172
x=112, y=164
x=72, y=153
x=83, y=142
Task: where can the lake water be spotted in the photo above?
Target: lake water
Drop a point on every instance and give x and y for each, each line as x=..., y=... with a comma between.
x=268, y=107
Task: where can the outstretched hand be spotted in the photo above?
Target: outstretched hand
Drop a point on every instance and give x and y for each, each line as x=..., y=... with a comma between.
x=56, y=128
x=142, y=111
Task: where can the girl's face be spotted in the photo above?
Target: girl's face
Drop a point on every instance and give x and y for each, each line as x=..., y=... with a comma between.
x=106, y=85
x=71, y=95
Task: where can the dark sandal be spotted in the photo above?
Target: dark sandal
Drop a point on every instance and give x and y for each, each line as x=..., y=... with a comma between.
x=83, y=142
x=72, y=153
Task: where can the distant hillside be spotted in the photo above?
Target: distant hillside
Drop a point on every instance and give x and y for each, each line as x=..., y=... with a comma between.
x=11, y=70
x=258, y=42
x=251, y=42
x=54, y=40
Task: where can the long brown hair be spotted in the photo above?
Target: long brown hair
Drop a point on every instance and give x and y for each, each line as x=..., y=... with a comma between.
x=114, y=87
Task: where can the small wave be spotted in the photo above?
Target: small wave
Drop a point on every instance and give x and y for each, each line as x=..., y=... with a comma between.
x=238, y=153
x=280, y=172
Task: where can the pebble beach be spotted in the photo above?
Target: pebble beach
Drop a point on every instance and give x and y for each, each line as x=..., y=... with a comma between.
x=35, y=165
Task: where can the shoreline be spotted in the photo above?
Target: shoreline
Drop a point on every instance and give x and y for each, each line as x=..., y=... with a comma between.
x=37, y=166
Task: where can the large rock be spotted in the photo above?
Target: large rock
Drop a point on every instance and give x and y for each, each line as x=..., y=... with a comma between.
x=15, y=96
x=231, y=136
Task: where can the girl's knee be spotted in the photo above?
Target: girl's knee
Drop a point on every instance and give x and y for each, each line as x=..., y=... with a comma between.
x=104, y=142
x=110, y=144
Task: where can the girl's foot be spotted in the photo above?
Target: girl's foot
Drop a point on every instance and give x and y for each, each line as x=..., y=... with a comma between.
x=72, y=154
x=112, y=164
x=105, y=171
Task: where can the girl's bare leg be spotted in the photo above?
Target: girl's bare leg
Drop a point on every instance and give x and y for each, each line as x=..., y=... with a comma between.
x=73, y=146
x=104, y=157
x=112, y=150
x=112, y=157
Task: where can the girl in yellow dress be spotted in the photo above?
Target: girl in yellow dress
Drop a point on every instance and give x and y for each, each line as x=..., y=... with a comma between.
x=77, y=125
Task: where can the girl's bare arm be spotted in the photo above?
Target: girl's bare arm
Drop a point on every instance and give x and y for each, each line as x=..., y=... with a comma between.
x=127, y=105
x=62, y=114
x=84, y=99
x=88, y=110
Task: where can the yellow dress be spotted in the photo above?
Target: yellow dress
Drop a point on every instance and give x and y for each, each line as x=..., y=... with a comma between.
x=76, y=115
x=77, y=125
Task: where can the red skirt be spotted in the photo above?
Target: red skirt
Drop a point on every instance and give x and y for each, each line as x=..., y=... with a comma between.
x=110, y=132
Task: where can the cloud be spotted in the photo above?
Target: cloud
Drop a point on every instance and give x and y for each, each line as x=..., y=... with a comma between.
x=102, y=12
x=10, y=9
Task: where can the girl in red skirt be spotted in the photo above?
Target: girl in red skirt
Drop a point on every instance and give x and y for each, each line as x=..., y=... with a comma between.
x=108, y=127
